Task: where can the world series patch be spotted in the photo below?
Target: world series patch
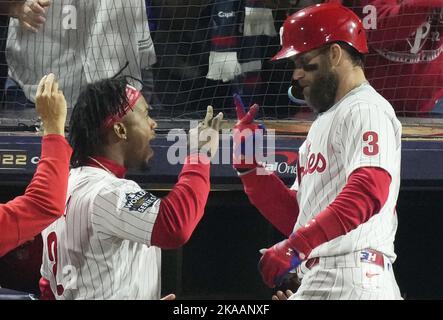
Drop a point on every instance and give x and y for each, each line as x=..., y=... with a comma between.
x=139, y=201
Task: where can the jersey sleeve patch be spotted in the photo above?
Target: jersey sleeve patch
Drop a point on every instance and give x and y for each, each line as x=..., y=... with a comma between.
x=139, y=201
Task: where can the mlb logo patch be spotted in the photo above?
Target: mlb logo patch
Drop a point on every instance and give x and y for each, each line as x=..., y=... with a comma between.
x=139, y=201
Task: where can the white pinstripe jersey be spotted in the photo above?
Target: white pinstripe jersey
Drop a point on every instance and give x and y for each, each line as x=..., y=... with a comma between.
x=361, y=130
x=100, y=248
x=82, y=41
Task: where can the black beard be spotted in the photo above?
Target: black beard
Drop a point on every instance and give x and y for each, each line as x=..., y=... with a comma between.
x=323, y=91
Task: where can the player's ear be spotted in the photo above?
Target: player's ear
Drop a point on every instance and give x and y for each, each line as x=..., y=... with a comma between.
x=120, y=130
x=335, y=54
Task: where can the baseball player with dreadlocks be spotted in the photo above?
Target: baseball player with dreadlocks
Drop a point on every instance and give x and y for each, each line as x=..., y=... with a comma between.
x=107, y=244
x=339, y=217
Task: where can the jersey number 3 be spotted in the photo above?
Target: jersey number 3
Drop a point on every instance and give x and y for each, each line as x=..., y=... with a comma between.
x=371, y=139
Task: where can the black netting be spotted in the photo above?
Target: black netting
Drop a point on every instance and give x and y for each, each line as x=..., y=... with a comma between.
x=205, y=51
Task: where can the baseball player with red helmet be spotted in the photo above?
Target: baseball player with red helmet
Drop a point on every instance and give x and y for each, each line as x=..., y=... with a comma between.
x=339, y=217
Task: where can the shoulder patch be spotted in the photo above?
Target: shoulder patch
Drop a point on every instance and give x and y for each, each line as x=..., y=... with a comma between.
x=139, y=201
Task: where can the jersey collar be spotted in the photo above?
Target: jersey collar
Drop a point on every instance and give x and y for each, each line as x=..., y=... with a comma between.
x=363, y=84
x=107, y=164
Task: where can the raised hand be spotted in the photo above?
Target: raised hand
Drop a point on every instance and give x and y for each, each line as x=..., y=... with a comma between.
x=50, y=105
x=246, y=133
x=205, y=138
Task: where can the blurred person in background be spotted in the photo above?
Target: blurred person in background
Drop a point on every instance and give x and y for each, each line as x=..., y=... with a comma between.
x=405, y=63
x=82, y=41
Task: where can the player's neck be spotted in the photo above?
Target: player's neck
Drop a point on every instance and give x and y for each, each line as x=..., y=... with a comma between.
x=348, y=83
x=113, y=155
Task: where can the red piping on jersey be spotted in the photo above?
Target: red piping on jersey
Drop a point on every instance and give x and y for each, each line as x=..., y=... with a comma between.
x=182, y=209
x=118, y=170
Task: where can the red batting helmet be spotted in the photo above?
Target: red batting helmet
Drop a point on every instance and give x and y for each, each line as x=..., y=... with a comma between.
x=318, y=25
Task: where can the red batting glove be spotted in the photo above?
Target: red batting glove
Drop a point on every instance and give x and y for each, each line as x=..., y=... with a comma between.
x=246, y=132
x=277, y=261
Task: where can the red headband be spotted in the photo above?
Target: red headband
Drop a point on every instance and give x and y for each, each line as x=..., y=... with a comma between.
x=132, y=95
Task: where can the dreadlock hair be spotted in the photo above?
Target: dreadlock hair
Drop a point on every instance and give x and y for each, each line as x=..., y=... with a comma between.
x=96, y=102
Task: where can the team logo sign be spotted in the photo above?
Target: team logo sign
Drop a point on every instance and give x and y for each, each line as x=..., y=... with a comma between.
x=139, y=201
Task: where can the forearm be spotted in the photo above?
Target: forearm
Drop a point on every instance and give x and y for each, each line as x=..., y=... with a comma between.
x=182, y=209
x=44, y=199
x=275, y=201
x=363, y=196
